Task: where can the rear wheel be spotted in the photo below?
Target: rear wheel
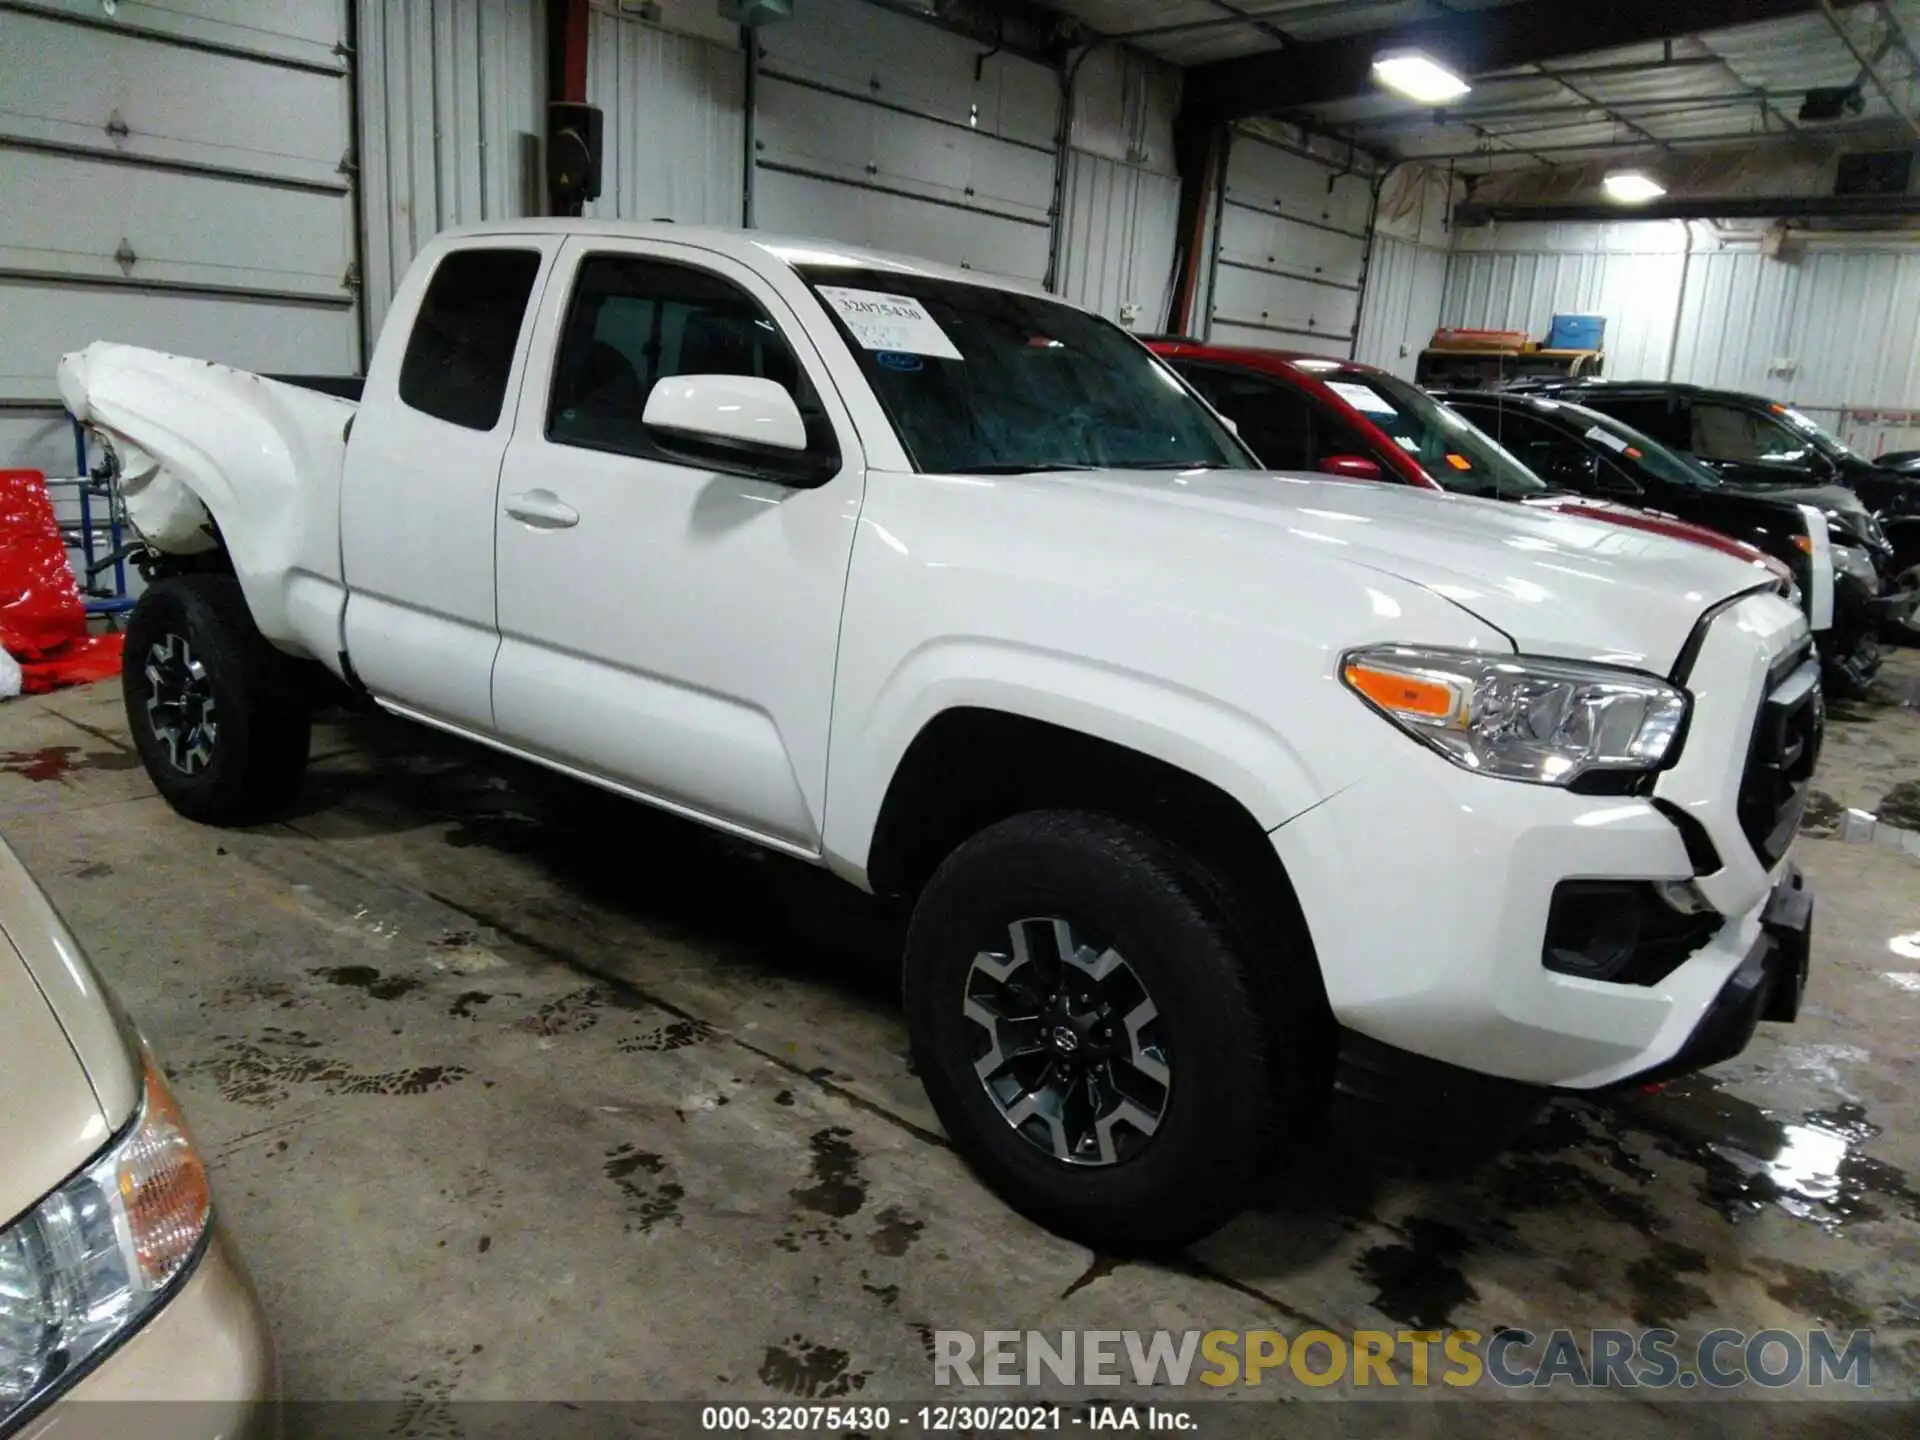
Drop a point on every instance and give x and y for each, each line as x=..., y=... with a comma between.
x=1090, y=1032
x=218, y=715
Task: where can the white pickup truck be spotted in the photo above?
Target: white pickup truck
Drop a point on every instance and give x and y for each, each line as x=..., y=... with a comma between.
x=1220, y=796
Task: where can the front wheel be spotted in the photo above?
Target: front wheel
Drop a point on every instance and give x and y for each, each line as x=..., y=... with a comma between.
x=217, y=713
x=1089, y=1032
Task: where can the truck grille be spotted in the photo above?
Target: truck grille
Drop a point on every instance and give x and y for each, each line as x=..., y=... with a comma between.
x=1786, y=743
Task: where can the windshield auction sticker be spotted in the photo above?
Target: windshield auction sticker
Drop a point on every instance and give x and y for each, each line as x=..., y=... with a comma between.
x=896, y=323
x=1362, y=397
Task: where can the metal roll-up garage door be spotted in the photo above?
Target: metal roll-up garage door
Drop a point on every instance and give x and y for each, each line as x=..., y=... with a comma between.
x=1292, y=250
x=173, y=177
x=871, y=127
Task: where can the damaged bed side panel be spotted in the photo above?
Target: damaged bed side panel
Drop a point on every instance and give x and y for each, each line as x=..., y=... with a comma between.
x=210, y=456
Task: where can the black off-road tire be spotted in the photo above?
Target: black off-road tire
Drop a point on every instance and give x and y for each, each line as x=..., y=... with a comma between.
x=1236, y=1086
x=254, y=762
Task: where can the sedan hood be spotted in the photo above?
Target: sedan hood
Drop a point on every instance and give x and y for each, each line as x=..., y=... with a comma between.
x=66, y=1072
x=1554, y=583
x=1824, y=497
x=51, y=1123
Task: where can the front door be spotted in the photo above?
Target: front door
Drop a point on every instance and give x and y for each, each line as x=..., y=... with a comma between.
x=667, y=627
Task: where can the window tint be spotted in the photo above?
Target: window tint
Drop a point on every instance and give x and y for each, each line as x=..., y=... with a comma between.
x=1273, y=417
x=1727, y=432
x=1654, y=416
x=461, y=351
x=1545, y=449
x=634, y=321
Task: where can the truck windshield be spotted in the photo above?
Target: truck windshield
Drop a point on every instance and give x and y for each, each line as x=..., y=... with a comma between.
x=1458, y=454
x=1637, y=450
x=983, y=381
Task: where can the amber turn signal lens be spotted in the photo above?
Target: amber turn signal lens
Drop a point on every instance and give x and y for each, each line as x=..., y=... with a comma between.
x=163, y=1184
x=1803, y=543
x=1402, y=693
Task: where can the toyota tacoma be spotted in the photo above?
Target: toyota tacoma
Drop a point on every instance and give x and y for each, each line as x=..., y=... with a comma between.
x=1216, y=794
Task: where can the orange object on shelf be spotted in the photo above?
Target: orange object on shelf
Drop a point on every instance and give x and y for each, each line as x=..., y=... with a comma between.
x=43, y=622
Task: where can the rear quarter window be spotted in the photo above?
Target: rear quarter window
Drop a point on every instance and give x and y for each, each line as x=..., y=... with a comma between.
x=460, y=354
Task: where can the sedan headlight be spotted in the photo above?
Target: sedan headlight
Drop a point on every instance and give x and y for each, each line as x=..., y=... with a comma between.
x=95, y=1258
x=1521, y=717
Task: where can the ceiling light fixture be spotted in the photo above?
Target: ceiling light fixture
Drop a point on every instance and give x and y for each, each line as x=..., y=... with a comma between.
x=1631, y=187
x=1418, y=77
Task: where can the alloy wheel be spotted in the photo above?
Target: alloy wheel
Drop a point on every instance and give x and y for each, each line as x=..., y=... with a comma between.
x=180, y=706
x=1068, y=1043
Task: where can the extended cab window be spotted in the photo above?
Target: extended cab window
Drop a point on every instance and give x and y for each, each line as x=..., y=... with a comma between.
x=633, y=321
x=460, y=354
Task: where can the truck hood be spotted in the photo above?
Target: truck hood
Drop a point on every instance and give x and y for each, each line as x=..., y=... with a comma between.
x=1554, y=583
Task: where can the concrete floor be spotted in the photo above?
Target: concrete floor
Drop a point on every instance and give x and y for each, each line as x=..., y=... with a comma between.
x=515, y=1091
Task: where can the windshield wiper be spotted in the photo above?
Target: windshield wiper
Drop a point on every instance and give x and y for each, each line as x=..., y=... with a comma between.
x=1020, y=467
x=1174, y=465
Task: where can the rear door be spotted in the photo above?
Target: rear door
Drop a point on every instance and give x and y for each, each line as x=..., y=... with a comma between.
x=422, y=471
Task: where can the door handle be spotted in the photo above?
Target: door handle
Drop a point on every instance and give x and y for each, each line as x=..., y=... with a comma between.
x=543, y=510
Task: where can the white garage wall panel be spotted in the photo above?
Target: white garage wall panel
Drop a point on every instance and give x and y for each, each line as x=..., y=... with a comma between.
x=1831, y=328
x=1406, y=286
x=1829, y=324
x=1121, y=201
x=452, y=97
x=1518, y=277
x=172, y=177
x=870, y=127
x=1292, y=250
x=1117, y=240
x=675, y=115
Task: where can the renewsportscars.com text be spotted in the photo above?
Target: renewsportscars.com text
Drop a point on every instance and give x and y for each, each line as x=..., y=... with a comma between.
x=1605, y=1359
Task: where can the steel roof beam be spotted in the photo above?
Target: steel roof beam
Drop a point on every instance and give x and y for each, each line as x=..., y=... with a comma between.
x=1318, y=72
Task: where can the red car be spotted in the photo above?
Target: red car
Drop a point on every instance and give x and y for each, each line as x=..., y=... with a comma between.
x=1338, y=417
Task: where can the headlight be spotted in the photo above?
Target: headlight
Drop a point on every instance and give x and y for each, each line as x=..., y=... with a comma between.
x=1855, y=564
x=1521, y=717
x=96, y=1257
x=1853, y=527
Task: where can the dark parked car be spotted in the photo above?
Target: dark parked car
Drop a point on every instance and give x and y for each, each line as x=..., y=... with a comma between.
x=1757, y=442
x=1596, y=454
x=1305, y=412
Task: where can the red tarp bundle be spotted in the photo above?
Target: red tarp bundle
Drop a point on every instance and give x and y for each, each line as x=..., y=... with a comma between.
x=43, y=623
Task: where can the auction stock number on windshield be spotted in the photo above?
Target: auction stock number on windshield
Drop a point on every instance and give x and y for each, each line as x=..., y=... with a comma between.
x=929, y=1419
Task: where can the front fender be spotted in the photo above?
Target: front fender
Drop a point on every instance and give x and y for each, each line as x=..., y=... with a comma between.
x=211, y=457
x=1204, y=737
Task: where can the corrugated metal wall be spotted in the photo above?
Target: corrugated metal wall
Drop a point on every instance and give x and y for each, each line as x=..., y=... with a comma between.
x=1117, y=240
x=1121, y=202
x=1832, y=324
x=452, y=96
x=675, y=122
x=1834, y=328
x=1406, y=285
x=1518, y=277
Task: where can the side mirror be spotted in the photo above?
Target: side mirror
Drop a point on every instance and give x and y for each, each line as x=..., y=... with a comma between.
x=738, y=412
x=1350, y=467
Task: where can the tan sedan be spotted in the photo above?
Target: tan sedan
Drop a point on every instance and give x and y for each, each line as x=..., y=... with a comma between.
x=116, y=1283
